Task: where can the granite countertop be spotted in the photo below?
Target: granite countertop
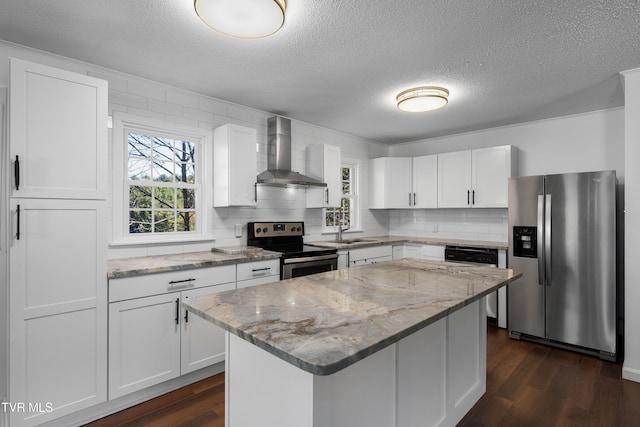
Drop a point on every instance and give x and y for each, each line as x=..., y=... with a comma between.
x=129, y=267
x=325, y=322
x=363, y=242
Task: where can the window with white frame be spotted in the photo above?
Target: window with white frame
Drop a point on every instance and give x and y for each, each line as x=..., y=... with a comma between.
x=159, y=175
x=349, y=211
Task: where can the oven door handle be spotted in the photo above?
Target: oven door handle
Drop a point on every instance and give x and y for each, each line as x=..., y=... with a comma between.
x=309, y=258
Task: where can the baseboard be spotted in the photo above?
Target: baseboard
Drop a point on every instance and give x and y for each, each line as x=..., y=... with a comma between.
x=112, y=406
x=631, y=374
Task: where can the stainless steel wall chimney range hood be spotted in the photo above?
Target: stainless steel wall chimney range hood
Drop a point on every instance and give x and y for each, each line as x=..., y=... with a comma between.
x=279, y=173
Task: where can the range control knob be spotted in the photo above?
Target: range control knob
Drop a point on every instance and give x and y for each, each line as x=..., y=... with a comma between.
x=298, y=229
x=258, y=230
x=264, y=230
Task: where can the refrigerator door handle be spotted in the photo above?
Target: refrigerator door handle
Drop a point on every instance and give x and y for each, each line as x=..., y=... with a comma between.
x=540, y=236
x=547, y=238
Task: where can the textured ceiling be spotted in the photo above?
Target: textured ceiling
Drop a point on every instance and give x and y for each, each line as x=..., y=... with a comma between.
x=340, y=63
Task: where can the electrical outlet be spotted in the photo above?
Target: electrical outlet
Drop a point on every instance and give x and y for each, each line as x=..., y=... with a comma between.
x=434, y=229
x=238, y=229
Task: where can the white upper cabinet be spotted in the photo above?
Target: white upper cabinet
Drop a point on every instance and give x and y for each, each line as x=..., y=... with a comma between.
x=234, y=166
x=403, y=182
x=475, y=178
x=324, y=164
x=425, y=182
x=390, y=184
x=58, y=133
x=454, y=179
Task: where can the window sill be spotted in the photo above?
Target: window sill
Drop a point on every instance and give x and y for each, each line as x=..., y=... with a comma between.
x=165, y=241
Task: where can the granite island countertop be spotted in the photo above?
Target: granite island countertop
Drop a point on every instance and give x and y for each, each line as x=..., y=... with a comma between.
x=136, y=266
x=325, y=322
x=363, y=242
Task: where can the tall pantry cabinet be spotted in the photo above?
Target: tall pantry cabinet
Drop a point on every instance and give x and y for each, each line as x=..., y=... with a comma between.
x=57, y=242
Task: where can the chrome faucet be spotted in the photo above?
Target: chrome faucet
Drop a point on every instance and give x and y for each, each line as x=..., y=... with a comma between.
x=341, y=222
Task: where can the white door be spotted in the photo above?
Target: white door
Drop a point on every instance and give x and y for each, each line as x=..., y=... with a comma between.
x=57, y=306
x=203, y=343
x=425, y=182
x=454, y=179
x=58, y=133
x=491, y=168
x=144, y=343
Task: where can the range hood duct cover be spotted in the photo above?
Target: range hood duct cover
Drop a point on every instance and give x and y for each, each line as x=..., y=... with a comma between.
x=279, y=171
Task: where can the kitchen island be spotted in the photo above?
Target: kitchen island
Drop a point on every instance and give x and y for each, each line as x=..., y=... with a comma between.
x=399, y=343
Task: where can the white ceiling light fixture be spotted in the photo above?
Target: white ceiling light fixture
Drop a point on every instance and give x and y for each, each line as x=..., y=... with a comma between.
x=248, y=19
x=421, y=99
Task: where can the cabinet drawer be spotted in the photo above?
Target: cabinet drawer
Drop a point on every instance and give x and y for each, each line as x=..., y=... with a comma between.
x=433, y=252
x=254, y=270
x=161, y=283
x=372, y=252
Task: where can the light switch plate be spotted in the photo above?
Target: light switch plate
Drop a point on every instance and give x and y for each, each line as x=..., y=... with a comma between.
x=238, y=228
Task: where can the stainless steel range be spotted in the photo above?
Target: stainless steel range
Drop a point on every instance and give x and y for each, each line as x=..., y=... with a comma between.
x=297, y=258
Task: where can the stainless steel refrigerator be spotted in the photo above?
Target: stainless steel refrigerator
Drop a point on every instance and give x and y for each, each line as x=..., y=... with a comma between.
x=562, y=236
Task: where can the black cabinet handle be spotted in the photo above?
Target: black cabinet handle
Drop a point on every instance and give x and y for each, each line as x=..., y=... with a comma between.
x=177, y=311
x=186, y=316
x=18, y=231
x=473, y=197
x=414, y=199
x=327, y=197
x=409, y=199
x=468, y=192
x=255, y=270
x=16, y=173
x=173, y=282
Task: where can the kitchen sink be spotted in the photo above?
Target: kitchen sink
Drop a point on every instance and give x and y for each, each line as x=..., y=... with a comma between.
x=350, y=241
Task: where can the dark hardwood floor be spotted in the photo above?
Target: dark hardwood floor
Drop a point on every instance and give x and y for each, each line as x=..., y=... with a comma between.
x=527, y=385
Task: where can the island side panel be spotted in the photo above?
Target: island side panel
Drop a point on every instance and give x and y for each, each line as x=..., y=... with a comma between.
x=263, y=390
x=363, y=394
x=422, y=377
x=467, y=357
x=442, y=369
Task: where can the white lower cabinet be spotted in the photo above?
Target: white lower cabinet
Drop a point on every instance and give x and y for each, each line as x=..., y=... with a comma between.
x=258, y=273
x=152, y=339
x=370, y=255
x=430, y=252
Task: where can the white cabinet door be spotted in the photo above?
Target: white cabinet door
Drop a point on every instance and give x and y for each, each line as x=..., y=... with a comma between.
x=144, y=343
x=58, y=133
x=234, y=166
x=390, y=183
x=324, y=163
x=491, y=168
x=454, y=180
x=425, y=182
x=203, y=343
x=57, y=306
x=475, y=178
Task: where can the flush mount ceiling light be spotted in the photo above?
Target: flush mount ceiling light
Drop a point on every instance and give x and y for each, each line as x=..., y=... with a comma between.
x=248, y=19
x=421, y=99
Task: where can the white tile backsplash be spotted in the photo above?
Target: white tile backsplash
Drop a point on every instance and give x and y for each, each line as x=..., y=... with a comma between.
x=468, y=224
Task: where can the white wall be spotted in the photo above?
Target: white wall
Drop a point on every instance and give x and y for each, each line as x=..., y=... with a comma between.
x=579, y=143
x=142, y=97
x=631, y=369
